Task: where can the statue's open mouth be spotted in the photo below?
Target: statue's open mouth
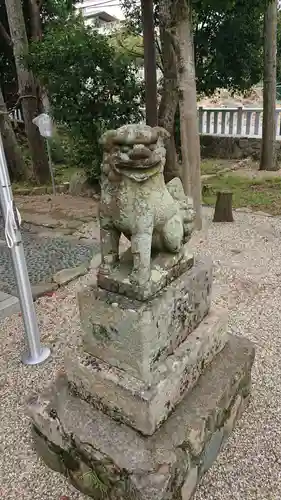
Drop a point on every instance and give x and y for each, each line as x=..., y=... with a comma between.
x=136, y=165
x=138, y=173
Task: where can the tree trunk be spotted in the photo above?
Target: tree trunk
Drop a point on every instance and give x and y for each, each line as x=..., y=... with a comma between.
x=28, y=91
x=169, y=100
x=35, y=19
x=268, y=153
x=172, y=167
x=17, y=168
x=149, y=62
x=36, y=35
x=223, y=210
x=180, y=29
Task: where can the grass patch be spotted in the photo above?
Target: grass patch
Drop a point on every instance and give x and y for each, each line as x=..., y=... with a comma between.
x=93, y=480
x=258, y=194
x=63, y=173
x=212, y=166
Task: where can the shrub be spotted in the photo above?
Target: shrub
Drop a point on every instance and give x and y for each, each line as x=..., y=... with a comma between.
x=92, y=87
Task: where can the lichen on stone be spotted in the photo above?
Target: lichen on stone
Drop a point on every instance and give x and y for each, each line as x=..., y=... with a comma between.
x=136, y=202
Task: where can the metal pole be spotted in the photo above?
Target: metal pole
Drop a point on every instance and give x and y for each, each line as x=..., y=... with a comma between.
x=51, y=166
x=35, y=353
x=150, y=71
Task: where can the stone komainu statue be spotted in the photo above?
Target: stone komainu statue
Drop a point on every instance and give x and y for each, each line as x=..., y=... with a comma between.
x=136, y=202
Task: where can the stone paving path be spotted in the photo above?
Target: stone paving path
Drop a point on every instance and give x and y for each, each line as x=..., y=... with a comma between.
x=48, y=242
x=8, y=305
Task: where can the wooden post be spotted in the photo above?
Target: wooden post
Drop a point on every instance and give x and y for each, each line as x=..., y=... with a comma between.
x=223, y=210
x=150, y=72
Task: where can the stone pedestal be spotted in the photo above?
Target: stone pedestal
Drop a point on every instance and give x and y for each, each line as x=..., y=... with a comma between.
x=107, y=459
x=136, y=403
x=152, y=391
x=137, y=336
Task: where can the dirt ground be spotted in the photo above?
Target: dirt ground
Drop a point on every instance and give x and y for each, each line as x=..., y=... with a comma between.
x=241, y=168
x=250, y=169
x=72, y=217
x=58, y=207
x=254, y=173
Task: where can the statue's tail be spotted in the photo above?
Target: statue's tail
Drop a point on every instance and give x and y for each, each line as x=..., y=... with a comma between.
x=175, y=189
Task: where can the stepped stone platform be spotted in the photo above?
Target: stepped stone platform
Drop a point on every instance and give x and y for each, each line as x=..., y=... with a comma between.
x=78, y=440
x=156, y=384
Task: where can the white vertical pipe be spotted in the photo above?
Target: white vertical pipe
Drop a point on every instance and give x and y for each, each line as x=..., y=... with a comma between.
x=35, y=353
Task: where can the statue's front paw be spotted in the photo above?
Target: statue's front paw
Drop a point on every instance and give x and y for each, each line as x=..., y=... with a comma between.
x=108, y=266
x=105, y=269
x=140, y=278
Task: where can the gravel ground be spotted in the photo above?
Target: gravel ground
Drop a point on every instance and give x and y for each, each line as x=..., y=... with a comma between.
x=247, y=261
x=44, y=257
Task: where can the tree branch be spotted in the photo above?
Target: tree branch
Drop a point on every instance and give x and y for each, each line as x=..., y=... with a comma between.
x=9, y=111
x=160, y=64
x=130, y=51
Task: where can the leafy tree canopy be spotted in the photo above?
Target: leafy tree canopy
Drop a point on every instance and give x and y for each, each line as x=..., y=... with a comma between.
x=128, y=44
x=92, y=87
x=227, y=41
x=52, y=11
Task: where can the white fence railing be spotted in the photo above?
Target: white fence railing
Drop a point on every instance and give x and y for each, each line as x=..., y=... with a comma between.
x=246, y=122
x=16, y=115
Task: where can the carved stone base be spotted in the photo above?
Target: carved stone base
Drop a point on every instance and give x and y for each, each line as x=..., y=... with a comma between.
x=138, y=336
x=165, y=267
x=107, y=459
x=131, y=400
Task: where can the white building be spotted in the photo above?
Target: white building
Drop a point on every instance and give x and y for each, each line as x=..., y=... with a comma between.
x=105, y=21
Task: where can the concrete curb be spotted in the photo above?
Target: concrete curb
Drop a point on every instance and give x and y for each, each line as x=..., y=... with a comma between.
x=8, y=305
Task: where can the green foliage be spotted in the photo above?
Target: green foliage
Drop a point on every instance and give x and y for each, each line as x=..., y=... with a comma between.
x=95, y=482
x=259, y=194
x=53, y=11
x=92, y=88
x=211, y=166
x=56, y=10
x=128, y=45
x=228, y=46
x=58, y=152
x=227, y=41
x=132, y=11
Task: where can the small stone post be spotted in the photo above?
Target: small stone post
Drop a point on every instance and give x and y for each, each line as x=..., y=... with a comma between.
x=223, y=209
